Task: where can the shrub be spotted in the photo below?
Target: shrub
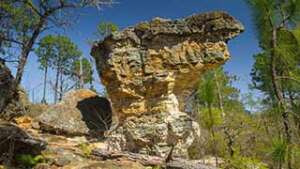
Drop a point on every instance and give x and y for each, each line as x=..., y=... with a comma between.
x=243, y=163
x=28, y=160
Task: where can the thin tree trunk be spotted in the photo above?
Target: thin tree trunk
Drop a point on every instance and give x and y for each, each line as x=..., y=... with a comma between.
x=221, y=107
x=81, y=83
x=213, y=136
x=45, y=85
x=27, y=47
x=56, y=85
x=279, y=97
x=61, y=85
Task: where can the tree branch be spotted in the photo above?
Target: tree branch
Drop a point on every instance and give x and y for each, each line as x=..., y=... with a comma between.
x=11, y=40
x=288, y=78
x=33, y=8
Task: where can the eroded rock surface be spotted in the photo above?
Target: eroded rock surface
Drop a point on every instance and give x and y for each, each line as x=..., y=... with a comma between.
x=12, y=104
x=15, y=141
x=150, y=71
x=25, y=146
x=81, y=112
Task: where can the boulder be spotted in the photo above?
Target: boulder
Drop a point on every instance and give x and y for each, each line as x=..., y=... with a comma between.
x=81, y=112
x=15, y=141
x=150, y=71
x=12, y=103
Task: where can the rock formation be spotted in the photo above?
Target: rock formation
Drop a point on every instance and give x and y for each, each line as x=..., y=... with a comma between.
x=12, y=104
x=150, y=70
x=6, y=81
x=25, y=146
x=81, y=112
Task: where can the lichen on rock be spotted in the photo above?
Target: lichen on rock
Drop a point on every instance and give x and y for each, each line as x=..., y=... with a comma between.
x=150, y=71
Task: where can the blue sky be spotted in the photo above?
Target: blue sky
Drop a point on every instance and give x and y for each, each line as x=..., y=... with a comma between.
x=129, y=12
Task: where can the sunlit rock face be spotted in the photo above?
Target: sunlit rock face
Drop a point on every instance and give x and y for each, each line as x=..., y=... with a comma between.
x=151, y=69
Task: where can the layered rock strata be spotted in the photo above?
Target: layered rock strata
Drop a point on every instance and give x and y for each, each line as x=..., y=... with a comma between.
x=150, y=71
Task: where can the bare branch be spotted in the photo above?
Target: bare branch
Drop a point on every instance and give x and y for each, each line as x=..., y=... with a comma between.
x=2, y=38
x=33, y=7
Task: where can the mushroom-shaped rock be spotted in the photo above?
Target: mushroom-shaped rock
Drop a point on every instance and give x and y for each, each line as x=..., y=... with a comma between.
x=150, y=70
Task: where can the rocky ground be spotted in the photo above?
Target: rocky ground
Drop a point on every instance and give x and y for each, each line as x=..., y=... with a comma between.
x=76, y=152
x=42, y=143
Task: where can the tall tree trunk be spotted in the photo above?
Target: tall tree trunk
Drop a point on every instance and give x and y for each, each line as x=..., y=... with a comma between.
x=56, y=85
x=25, y=50
x=81, y=82
x=279, y=97
x=61, y=85
x=221, y=107
x=45, y=85
x=27, y=47
x=213, y=135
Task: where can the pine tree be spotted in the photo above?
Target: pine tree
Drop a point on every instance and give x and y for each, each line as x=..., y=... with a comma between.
x=275, y=67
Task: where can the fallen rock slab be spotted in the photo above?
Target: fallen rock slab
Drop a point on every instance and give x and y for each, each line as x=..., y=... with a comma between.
x=148, y=160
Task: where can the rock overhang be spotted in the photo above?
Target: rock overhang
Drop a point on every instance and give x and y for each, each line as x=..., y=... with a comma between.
x=150, y=70
x=208, y=27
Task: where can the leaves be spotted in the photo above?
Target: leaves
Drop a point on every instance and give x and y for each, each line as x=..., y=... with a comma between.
x=106, y=28
x=87, y=71
x=57, y=51
x=278, y=150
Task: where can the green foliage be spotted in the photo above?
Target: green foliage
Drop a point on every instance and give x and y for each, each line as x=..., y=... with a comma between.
x=17, y=23
x=275, y=73
x=87, y=70
x=23, y=21
x=58, y=52
x=210, y=118
x=206, y=90
x=45, y=51
x=287, y=50
x=278, y=150
x=106, y=28
x=222, y=115
x=243, y=163
x=28, y=160
x=214, y=83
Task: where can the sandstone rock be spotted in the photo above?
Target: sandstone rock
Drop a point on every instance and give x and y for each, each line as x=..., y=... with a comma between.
x=107, y=165
x=6, y=82
x=81, y=112
x=15, y=141
x=37, y=109
x=69, y=153
x=150, y=71
x=190, y=164
x=12, y=104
